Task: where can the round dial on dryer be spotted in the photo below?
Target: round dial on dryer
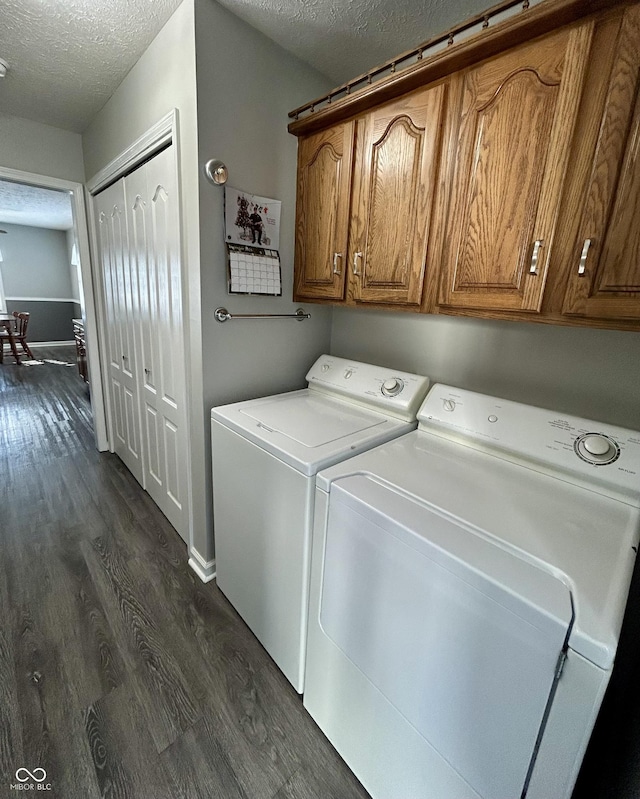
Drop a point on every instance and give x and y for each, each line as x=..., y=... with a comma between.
x=596, y=448
x=392, y=387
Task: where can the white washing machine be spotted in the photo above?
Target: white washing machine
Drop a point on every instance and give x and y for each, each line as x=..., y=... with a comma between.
x=266, y=453
x=468, y=586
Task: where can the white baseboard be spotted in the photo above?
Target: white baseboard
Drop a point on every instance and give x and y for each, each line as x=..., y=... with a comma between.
x=34, y=344
x=205, y=569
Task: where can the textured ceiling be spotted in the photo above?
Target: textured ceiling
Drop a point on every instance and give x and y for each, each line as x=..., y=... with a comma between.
x=30, y=205
x=67, y=57
x=344, y=38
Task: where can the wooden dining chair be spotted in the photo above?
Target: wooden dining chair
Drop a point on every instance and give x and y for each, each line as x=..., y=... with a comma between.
x=18, y=333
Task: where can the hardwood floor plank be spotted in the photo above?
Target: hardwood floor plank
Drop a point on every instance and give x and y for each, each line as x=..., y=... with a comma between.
x=310, y=783
x=10, y=722
x=123, y=770
x=52, y=730
x=200, y=768
x=166, y=683
x=90, y=650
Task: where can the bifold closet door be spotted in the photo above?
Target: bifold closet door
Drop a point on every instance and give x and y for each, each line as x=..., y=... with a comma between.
x=139, y=242
x=154, y=237
x=121, y=308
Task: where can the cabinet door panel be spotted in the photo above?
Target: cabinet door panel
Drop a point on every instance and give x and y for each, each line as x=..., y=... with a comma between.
x=394, y=187
x=322, y=213
x=499, y=217
x=516, y=123
x=605, y=273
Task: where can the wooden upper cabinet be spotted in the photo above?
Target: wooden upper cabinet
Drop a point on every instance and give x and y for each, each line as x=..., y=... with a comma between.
x=322, y=212
x=516, y=119
x=395, y=176
x=604, y=273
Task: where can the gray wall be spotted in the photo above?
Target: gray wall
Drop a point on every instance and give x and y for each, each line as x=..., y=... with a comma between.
x=246, y=87
x=48, y=321
x=36, y=276
x=41, y=149
x=587, y=372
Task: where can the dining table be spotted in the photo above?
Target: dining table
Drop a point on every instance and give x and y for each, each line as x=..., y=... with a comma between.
x=8, y=321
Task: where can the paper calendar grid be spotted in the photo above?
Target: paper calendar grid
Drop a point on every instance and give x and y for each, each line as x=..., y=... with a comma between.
x=253, y=270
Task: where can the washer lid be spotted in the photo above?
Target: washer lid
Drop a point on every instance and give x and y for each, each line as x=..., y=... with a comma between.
x=309, y=430
x=310, y=420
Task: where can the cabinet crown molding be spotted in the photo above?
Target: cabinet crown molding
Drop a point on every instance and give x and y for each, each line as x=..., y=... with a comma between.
x=360, y=94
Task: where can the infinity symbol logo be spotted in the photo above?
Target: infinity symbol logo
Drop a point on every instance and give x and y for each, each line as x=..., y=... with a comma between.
x=37, y=775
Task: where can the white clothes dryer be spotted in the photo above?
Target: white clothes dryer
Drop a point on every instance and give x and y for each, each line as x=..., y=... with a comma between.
x=468, y=586
x=266, y=453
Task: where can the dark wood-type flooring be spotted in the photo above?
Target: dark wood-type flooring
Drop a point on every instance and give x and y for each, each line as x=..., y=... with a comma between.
x=121, y=674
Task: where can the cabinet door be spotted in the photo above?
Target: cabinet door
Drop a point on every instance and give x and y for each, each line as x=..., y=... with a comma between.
x=516, y=122
x=322, y=212
x=394, y=186
x=605, y=270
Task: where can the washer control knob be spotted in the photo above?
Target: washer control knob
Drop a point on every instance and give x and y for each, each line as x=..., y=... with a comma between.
x=348, y=373
x=392, y=387
x=449, y=405
x=325, y=367
x=596, y=448
x=596, y=445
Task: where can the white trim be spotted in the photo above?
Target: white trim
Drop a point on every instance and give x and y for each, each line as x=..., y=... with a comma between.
x=18, y=176
x=76, y=191
x=205, y=569
x=100, y=306
x=34, y=344
x=3, y=299
x=161, y=134
x=42, y=299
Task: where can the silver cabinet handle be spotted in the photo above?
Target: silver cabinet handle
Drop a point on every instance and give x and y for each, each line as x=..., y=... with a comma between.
x=582, y=266
x=533, y=269
x=336, y=255
x=357, y=256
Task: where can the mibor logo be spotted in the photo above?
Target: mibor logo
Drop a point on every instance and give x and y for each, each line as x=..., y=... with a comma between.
x=31, y=780
x=37, y=775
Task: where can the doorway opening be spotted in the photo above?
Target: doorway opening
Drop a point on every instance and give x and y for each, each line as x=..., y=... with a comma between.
x=45, y=271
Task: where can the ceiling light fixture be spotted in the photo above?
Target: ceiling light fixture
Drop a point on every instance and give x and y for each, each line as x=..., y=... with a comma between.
x=4, y=68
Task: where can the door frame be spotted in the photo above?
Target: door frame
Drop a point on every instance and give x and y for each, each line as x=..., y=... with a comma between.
x=93, y=340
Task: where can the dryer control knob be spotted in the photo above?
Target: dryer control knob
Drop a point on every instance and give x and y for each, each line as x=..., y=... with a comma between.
x=392, y=387
x=597, y=449
x=449, y=405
